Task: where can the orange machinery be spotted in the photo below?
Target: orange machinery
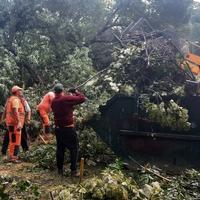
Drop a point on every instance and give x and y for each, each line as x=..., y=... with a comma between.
x=193, y=61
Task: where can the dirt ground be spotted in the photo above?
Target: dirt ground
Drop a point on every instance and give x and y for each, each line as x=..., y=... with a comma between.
x=48, y=181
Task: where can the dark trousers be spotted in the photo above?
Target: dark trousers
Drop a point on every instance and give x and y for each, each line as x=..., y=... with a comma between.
x=24, y=141
x=66, y=138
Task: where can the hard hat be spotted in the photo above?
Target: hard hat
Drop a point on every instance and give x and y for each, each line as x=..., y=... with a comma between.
x=58, y=88
x=15, y=89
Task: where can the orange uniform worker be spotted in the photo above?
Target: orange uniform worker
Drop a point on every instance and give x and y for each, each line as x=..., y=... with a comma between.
x=15, y=116
x=44, y=108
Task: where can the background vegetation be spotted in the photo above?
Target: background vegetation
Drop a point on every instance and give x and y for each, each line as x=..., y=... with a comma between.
x=71, y=41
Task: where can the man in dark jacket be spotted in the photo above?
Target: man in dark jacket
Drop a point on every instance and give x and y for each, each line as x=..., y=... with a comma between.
x=66, y=137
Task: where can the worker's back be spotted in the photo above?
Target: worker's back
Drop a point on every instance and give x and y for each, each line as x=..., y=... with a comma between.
x=62, y=107
x=45, y=104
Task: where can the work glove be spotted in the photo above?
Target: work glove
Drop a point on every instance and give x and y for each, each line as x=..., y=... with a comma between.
x=72, y=90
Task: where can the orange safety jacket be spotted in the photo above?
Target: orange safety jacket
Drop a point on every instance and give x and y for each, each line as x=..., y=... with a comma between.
x=11, y=119
x=45, y=104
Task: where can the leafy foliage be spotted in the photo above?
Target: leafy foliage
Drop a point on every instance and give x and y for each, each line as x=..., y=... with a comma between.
x=184, y=187
x=37, y=37
x=3, y=193
x=150, y=75
x=170, y=12
x=23, y=189
x=111, y=184
x=91, y=146
x=169, y=115
x=44, y=40
x=117, y=165
x=44, y=156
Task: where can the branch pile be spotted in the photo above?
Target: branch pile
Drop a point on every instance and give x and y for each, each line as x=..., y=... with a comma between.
x=149, y=61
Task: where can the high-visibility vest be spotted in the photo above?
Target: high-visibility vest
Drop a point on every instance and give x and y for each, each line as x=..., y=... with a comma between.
x=10, y=117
